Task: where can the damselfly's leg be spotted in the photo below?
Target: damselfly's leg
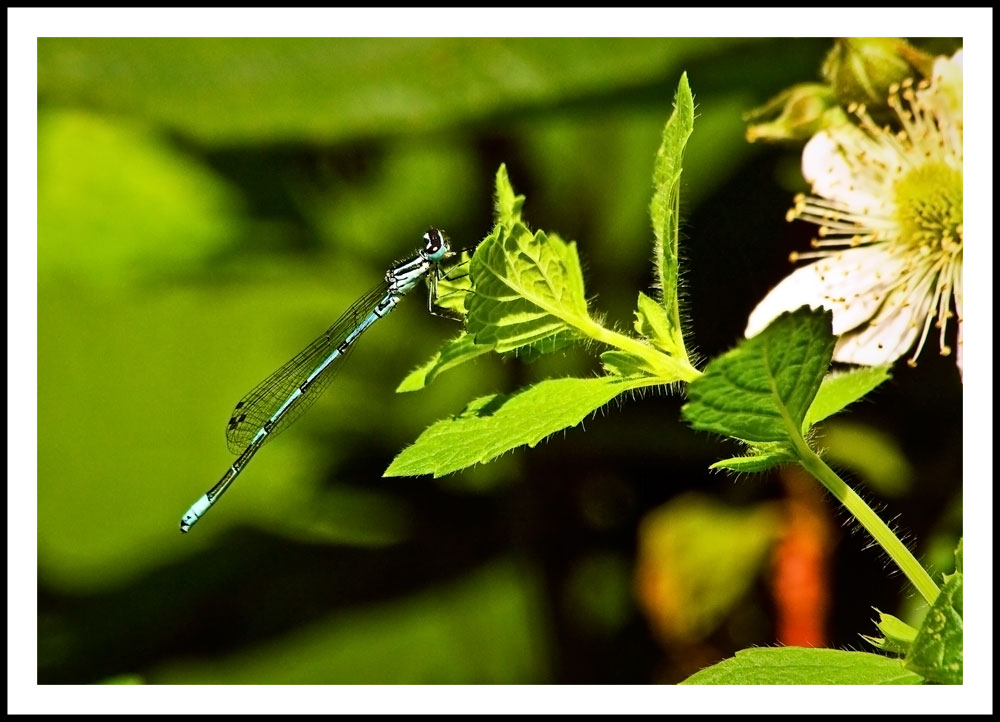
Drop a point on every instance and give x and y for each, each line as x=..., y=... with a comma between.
x=456, y=273
x=433, y=298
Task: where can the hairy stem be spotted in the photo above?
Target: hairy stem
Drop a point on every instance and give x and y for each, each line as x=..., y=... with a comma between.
x=667, y=366
x=879, y=530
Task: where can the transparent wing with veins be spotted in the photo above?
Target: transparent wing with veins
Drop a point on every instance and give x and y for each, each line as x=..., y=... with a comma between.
x=263, y=401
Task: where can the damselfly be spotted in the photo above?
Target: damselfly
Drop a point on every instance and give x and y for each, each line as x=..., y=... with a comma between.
x=281, y=398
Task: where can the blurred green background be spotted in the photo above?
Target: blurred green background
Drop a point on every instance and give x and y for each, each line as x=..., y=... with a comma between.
x=208, y=206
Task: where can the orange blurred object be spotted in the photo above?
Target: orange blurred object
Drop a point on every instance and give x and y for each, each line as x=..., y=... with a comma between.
x=801, y=571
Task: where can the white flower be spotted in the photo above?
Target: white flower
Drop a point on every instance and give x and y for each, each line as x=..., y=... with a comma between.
x=889, y=210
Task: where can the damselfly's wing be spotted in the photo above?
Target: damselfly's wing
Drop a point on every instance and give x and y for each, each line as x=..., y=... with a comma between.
x=258, y=407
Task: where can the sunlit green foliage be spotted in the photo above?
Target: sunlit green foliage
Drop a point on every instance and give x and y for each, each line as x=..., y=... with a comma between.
x=796, y=665
x=207, y=206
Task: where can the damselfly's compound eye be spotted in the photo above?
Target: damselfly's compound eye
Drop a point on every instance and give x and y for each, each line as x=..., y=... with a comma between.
x=437, y=244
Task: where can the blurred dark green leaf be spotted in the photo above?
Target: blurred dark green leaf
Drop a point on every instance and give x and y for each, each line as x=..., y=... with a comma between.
x=698, y=558
x=327, y=89
x=487, y=628
x=117, y=203
x=875, y=455
x=598, y=593
x=411, y=187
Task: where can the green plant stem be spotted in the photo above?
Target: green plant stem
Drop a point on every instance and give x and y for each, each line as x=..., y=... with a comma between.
x=667, y=366
x=882, y=534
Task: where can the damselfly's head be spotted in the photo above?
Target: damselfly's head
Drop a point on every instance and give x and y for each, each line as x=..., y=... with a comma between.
x=437, y=244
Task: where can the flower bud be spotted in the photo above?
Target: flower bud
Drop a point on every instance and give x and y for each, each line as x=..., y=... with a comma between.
x=797, y=113
x=861, y=70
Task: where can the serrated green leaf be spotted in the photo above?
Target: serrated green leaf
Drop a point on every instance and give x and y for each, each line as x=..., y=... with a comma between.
x=883, y=644
x=958, y=556
x=896, y=629
x=898, y=634
x=664, y=209
x=936, y=652
x=550, y=344
x=625, y=364
x=527, y=287
x=760, y=390
x=799, y=665
x=457, y=351
x=508, y=204
x=493, y=425
x=761, y=457
x=454, y=287
x=841, y=389
x=652, y=322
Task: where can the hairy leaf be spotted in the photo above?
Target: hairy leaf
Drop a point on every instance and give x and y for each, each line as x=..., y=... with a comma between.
x=761, y=457
x=898, y=635
x=760, y=391
x=493, y=425
x=527, y=287
x=936, y=653
x=651, y=321
x=799, y=665
x=508, y=204
x=623, y=363
x=841, y=389
x=664, y=210
x=457, y=351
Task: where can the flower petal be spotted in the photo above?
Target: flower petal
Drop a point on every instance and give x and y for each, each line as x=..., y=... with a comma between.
x=892, y=332
x=853, y=284
x=825, y=166
x=945, y=92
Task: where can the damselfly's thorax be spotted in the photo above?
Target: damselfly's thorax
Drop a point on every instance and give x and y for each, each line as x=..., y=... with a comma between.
x=402, y=277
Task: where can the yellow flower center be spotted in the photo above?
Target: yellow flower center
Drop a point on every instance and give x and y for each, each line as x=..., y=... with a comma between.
x=929, y=208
